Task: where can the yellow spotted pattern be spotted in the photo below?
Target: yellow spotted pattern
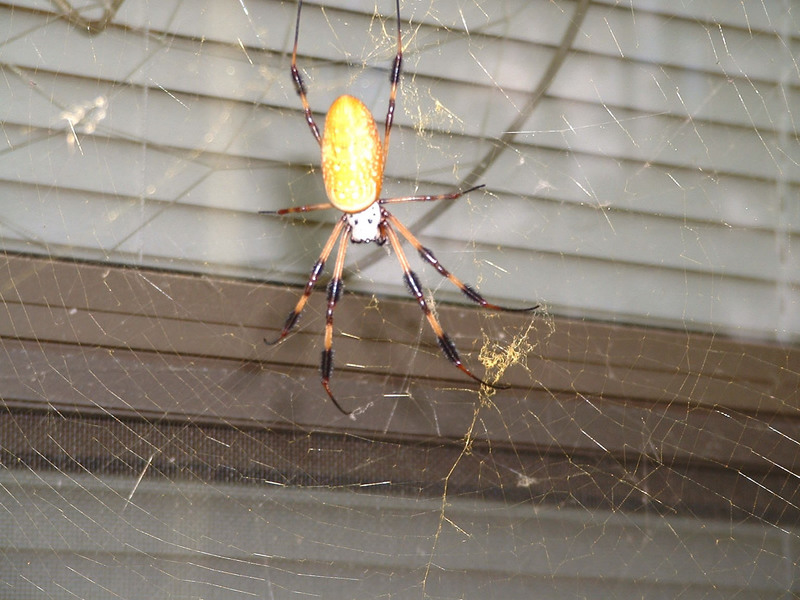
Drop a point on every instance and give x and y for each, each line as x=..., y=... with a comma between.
x=352, y=156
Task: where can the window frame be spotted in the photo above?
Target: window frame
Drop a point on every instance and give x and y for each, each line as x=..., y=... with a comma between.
x=615, y=415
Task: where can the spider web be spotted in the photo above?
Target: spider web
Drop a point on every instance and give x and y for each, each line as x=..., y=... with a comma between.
x=641, y=169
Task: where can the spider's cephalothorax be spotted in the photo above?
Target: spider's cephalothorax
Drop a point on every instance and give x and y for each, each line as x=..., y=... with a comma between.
x=365, y=226
x=353, y=159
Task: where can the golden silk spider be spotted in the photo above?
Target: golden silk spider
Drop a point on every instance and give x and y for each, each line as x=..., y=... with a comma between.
x=353, y=160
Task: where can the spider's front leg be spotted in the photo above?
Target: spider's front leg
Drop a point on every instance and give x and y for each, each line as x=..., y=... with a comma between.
x=412, y=282
x=335, y=288
x=340, y=233
x=427, y=255
x=316, y=270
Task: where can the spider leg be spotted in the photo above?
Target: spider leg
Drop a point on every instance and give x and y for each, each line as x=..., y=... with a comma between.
x=450, y=196
x=298, y=80
x=428, y=256
x=394, y=78
x=291, y=320
x=335, y=288
x=415, y=287
x=297, y=209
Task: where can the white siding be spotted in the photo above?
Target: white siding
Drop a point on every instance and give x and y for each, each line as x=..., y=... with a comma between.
x=655, y=181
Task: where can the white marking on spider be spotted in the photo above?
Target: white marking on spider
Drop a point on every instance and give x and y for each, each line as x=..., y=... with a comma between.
x=364, y=225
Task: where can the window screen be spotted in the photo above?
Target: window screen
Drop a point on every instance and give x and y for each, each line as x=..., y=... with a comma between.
x=640, y=171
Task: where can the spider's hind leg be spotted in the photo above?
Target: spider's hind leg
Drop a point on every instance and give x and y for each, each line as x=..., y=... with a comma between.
x=299, y=84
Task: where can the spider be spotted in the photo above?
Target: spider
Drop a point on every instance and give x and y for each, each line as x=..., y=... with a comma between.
x=353, y=160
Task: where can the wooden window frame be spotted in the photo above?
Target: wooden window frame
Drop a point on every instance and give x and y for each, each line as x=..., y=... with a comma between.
x=123, y=368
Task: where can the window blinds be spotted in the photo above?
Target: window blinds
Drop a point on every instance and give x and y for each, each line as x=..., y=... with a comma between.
x=653, y=178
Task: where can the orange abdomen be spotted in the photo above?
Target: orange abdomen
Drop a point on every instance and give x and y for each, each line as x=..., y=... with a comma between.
x=352, y=155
